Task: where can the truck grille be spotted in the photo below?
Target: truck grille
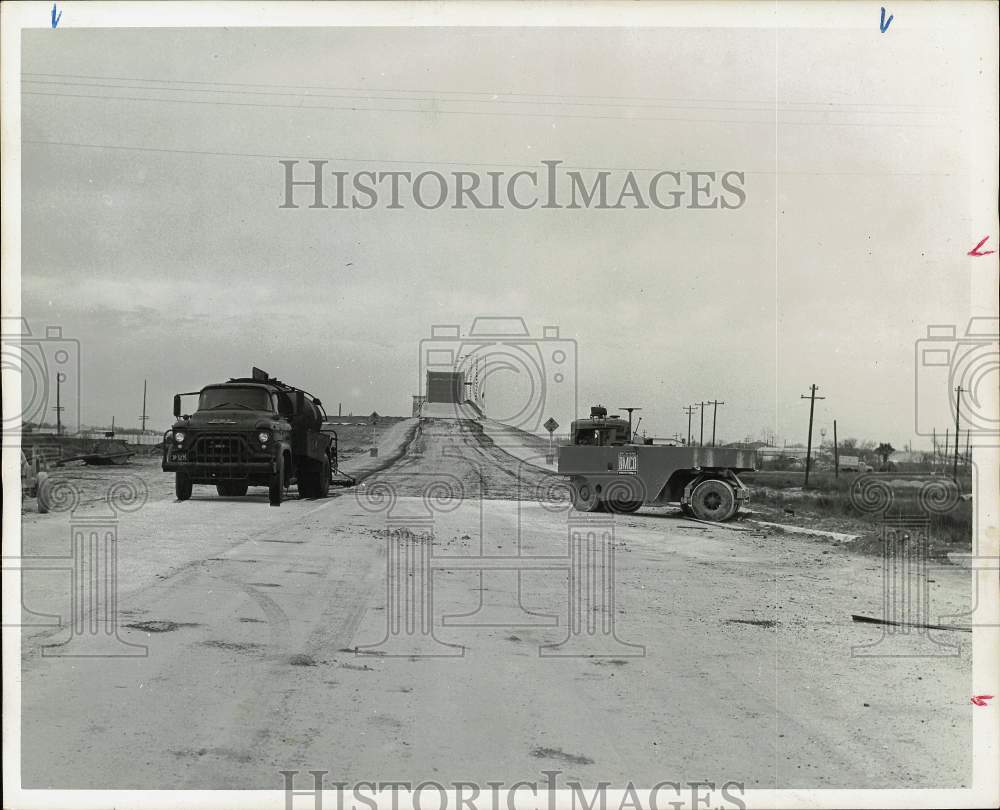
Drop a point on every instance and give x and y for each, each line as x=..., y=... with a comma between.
x=218, y=449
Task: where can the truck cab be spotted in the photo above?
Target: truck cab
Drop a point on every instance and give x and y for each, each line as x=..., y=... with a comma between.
x=600, y=430
x=251, y=431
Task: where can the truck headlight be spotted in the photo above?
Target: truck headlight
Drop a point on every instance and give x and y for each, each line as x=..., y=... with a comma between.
x=263, y=437
x=179, y=436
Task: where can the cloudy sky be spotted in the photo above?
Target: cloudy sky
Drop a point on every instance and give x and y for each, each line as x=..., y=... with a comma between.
x=152, y=231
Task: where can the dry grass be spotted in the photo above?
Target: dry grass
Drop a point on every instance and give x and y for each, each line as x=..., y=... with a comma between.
x=827, y=504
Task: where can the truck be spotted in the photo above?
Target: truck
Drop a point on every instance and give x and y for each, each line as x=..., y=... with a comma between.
x=253, y=431
x=853, y=464
x=609, y=471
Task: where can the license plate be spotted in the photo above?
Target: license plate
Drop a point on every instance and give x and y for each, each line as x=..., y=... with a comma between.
x=178, y=456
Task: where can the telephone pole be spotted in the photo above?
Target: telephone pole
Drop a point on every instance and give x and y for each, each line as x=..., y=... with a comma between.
x=812, y=405
x=836, y=452
x=59, y=406
x=958, y=409
x=715, y=409
x=143, y=418
x=701, y=437
x=689, y=409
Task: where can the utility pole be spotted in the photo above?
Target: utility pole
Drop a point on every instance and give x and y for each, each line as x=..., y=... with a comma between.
x=143, y=418
x=689, y=410
x=968, y=455
x=701, y=438
x=59, y=406
x=626, y=408
x=715, y=408
x=958, y=409
x=812, y=405
x=836, y=452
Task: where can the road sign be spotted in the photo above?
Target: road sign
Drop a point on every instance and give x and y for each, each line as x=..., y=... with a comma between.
x=551, y=425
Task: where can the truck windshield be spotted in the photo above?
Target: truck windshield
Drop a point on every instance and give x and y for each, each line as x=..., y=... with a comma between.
x=234, y=397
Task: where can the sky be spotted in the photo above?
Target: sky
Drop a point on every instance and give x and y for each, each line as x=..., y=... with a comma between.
x=153, y=233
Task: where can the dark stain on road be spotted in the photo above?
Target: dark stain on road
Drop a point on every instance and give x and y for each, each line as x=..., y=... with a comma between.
x=293, y=542
x=264, y=584
x=604, y=662
x=225, y=753
x=766, y=623
x=251, y=621
x=302, y=660
x=562, y=756
x=159, y=626
x=234, y=646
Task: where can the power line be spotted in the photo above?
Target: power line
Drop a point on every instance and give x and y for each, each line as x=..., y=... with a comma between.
x=564, y=166
x=480, y=113
x=431, y=100
x=491, y=93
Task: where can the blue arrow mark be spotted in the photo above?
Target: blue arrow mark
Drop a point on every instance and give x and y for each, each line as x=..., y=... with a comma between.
x=55, y=17
x=884, y=24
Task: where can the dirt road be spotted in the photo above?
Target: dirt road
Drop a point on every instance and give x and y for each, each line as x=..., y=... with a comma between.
x=269, y=645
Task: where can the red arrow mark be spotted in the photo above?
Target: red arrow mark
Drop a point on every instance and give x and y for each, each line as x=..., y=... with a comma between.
x=975, y=251
x=980, y=700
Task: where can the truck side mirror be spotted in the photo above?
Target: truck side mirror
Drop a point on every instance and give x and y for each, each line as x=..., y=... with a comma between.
x=177, y=405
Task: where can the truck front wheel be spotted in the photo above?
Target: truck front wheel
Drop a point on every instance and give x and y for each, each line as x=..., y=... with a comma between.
x=182, y=486
x=713, y=500
x=276, y=486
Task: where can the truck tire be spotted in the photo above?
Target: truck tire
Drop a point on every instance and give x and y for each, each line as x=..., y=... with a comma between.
x=307, y=479
x=276, y=486
x=713, y=500
x=586, y=499
x=43, y=493
x=323, y=484
x=182, y=486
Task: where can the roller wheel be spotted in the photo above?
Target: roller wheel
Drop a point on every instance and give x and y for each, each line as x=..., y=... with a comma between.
x=231, y=488
x=586, y=499
x=713, y=500
x=182, y=486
